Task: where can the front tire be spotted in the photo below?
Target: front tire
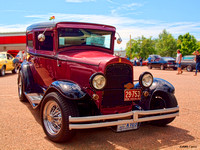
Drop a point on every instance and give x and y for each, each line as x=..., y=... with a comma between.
x=55, y=112
x=162, y=67
x=189, y=68
x=149, y=66
x=161, y=101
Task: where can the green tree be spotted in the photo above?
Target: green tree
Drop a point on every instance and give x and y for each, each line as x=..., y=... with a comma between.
x=166, y=44
x=140, y=47
x=198, y=45
x=187, y=44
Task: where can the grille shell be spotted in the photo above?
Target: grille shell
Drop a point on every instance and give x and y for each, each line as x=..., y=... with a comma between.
x=117, y=75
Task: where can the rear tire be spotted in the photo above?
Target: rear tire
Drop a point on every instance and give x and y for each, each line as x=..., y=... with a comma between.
x=2, y=71
x=160, y=101
x=55, y=112
x=14, y=70
x=21, y=94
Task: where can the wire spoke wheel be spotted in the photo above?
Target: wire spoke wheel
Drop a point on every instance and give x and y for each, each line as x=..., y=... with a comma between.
x=52, y=117
x=55, y=112
x=20, y=86
x=20, y=83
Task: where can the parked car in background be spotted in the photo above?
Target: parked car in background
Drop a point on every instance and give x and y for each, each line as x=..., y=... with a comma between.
x=7, y=63
x=144, y=63
x=188, y=62
x=163, y=63
x=20, y=56
x=72, y=76
x=154, y=57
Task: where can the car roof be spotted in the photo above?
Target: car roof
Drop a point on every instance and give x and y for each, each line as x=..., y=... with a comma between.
x=54, y=24
x=189, y=56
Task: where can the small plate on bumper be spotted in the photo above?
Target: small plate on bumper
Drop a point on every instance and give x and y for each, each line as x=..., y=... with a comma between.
x=127, y=127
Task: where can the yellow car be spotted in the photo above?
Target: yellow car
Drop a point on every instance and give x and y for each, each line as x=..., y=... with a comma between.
x=6, y=63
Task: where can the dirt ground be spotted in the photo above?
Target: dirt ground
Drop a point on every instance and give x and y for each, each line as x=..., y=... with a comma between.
x=20, y=126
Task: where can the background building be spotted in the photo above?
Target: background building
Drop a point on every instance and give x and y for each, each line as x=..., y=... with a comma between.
x=12, y=41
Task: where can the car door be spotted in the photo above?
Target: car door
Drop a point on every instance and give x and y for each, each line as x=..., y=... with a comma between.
x=155, y=63
x=44, y=60
x=9, y=62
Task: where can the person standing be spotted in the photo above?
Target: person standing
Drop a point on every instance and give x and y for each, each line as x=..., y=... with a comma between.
x=178, y=61
x=141, y=61
x=149, y=59
x=197, y=59
x=135, y=61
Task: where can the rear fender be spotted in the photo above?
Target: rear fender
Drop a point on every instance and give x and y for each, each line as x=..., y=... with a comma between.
x=29, y=84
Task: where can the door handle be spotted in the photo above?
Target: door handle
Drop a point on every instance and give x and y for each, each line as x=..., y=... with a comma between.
x=58, y=64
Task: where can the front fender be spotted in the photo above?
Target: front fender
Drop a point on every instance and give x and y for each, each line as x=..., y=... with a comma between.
x=162, y=85
x=68, y=89
x=159, y=85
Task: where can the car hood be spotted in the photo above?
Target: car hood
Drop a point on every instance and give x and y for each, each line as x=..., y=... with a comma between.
x=90, y=57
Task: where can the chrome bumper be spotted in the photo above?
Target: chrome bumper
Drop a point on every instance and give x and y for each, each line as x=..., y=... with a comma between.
x=138, y=116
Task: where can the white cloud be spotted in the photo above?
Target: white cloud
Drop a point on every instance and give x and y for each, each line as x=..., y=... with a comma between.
x=13, y=28
x=122, y=9
x=125, y=26
x=79, y=1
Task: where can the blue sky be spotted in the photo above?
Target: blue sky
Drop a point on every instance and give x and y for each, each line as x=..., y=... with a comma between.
x=130, y=17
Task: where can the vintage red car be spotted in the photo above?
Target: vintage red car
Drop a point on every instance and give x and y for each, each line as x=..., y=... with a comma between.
x=72, y=75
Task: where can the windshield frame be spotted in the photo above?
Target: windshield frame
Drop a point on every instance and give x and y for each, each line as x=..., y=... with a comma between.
x=111, y=40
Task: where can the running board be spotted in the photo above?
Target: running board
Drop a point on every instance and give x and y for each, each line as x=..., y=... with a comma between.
x=34, y=98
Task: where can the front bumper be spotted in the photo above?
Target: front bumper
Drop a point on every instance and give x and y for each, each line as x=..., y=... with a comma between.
x=107, y=120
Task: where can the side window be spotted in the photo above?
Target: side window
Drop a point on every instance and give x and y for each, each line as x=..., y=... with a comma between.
x=47, y=44
x=30, y=39
x=9, y=57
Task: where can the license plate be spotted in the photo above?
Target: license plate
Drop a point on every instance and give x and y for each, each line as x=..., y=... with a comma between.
x=132, y=94
x=126, y=127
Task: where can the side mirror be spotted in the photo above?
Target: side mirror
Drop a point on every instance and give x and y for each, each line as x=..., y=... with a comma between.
x=119, y=40
x=41, y=37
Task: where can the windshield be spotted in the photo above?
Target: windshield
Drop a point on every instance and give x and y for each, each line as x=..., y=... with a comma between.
x=74, y=37
x=2, y=56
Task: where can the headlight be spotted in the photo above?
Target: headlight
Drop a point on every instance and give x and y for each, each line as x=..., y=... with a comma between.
x=98, y=81
x=146, y=79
